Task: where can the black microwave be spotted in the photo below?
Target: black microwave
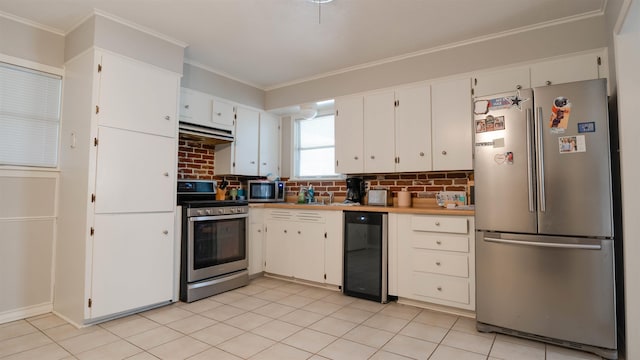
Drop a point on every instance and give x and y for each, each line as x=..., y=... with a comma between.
x=266, y=191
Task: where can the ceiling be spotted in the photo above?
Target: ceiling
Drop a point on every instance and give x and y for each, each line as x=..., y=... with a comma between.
x=273, y=43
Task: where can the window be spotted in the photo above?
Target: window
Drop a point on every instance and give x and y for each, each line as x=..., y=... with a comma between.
x=29, y=116
x=315, y=147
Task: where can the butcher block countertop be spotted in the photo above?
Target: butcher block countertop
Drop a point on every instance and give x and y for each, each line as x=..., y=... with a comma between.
x=419, y=206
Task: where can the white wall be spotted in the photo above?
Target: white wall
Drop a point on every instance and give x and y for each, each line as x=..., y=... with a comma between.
x=29, y=43
x=27, y=228
x=627, y=48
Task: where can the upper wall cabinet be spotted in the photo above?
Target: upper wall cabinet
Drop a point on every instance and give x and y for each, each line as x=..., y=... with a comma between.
x=379, y=139
x=203, y=109
x=129, y=98
x=451, y=125
x=349, y=135
x=413, y=128
x=269, y=145
x=500, y=81
x=575, y=68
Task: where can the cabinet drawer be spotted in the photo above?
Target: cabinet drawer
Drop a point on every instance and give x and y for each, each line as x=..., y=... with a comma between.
x=440, y=263
x=425, y=240
x=440, y=287
x=448, y=224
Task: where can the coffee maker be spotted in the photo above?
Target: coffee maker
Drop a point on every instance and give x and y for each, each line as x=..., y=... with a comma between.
x=355, y=190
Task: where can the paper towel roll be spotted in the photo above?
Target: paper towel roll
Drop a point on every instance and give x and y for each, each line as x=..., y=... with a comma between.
x=404, y=199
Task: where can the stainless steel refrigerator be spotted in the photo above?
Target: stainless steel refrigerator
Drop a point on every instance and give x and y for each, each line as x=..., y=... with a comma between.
x=544, y=218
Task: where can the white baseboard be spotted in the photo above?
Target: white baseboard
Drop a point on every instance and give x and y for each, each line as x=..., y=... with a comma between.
x=25, y=312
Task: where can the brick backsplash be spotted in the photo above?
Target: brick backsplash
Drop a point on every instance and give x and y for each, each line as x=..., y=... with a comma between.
x=196, y=161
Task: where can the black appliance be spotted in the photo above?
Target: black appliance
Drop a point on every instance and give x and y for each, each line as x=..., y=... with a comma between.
x=214, y=241
x=365, y=255
x=355, y=190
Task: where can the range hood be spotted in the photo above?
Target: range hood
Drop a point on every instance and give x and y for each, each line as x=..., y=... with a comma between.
x=206, y=134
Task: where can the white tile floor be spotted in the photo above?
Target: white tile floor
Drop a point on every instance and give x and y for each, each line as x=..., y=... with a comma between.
x=272, y=319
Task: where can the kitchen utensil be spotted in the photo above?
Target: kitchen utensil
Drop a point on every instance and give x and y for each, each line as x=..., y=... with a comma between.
x=224, y=184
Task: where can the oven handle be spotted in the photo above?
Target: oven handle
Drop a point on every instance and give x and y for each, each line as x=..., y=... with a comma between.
x=221, y=217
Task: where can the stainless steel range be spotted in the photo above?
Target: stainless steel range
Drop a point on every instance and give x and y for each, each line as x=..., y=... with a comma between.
x=214, y=241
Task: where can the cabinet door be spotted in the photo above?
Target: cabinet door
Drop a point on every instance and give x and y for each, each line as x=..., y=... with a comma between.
x=137, y=96
x=413, y=129
x=195, y=107
x=575, y=68
x=132, y=263
x=348, y=135
x=500, y=81
x=256, y=257
x=333, y=248
x=379, y=151
x=246, y=143
x=135, y=172
x=308, y=251
x=223, y=115
x=269, y=145
x=451, y=125
x=278, y=254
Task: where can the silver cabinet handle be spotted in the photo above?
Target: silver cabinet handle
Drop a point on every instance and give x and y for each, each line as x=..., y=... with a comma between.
x=518, y=87
x=259, y=230
x=438, y=263
x=253, y=162
x=437, y=223
x=166, y=174
x=167, y=117
x=166, y=232
x=421, y=153
x=355, y=158
x=299, y=232
x=264, y=164
x=285, y=231
x=444, y=152
x=439, y=242
x=219, y=113
x=439, y=288
x=186, y=106
x=548, y=82
x=372, y=157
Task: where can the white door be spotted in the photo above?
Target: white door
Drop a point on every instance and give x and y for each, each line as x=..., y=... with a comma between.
x=413, y=129
x=348, y=135
x=308, y=251
x=132, y=264
x=451, y=121
x=246, y=143
x=333, y=248
x=195, y=107
x=575, y=68
x=135, y=172
x=379, y=132
x=269, y=145
x=256, y=257
x=137, y=96
x=278, y=251
x=223, y=115
x=494, y=82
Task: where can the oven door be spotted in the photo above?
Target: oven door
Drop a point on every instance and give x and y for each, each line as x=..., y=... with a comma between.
x=217, y=245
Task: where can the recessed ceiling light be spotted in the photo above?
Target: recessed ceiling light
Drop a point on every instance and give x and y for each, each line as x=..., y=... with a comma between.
x=320, y=1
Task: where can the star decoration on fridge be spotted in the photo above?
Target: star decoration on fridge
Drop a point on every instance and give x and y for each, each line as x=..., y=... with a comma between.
x=516, y=101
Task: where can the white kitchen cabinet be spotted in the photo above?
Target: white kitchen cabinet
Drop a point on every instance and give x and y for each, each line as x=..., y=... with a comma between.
x=413, y=128
x=379, y=139
x=132, y=263
x=333, y=254
x=134, y=96
x=241, y=156
x=451, y=125
x=435, y=259
x=500, y=81
x=223, y=114
x=256, y=241
x=305, y=245
x=117, y=197
x=569, y=69
x=122, y=184
x=349, y=138
x=269, y=154
x=392, y=254
x=195, y=107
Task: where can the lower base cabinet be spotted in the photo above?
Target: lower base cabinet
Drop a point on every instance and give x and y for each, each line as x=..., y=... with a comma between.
x=256, y=241
x=304, y=245
x=133, y=262
x=434, y=259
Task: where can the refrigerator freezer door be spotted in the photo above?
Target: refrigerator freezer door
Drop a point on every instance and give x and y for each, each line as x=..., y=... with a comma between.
x=503, y=165
x=573, y=159
x=557, y=287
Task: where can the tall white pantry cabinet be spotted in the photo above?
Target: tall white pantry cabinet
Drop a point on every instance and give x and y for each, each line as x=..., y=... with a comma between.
x=115, y=247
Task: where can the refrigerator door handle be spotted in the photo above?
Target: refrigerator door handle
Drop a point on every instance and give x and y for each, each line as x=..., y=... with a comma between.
x=541, y=193
x=530, y=163
x=545, y=244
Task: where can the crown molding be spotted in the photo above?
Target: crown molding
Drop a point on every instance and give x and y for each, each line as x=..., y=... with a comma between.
x=32, y=23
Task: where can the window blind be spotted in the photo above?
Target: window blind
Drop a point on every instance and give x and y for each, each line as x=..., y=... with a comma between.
x=29, y=116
